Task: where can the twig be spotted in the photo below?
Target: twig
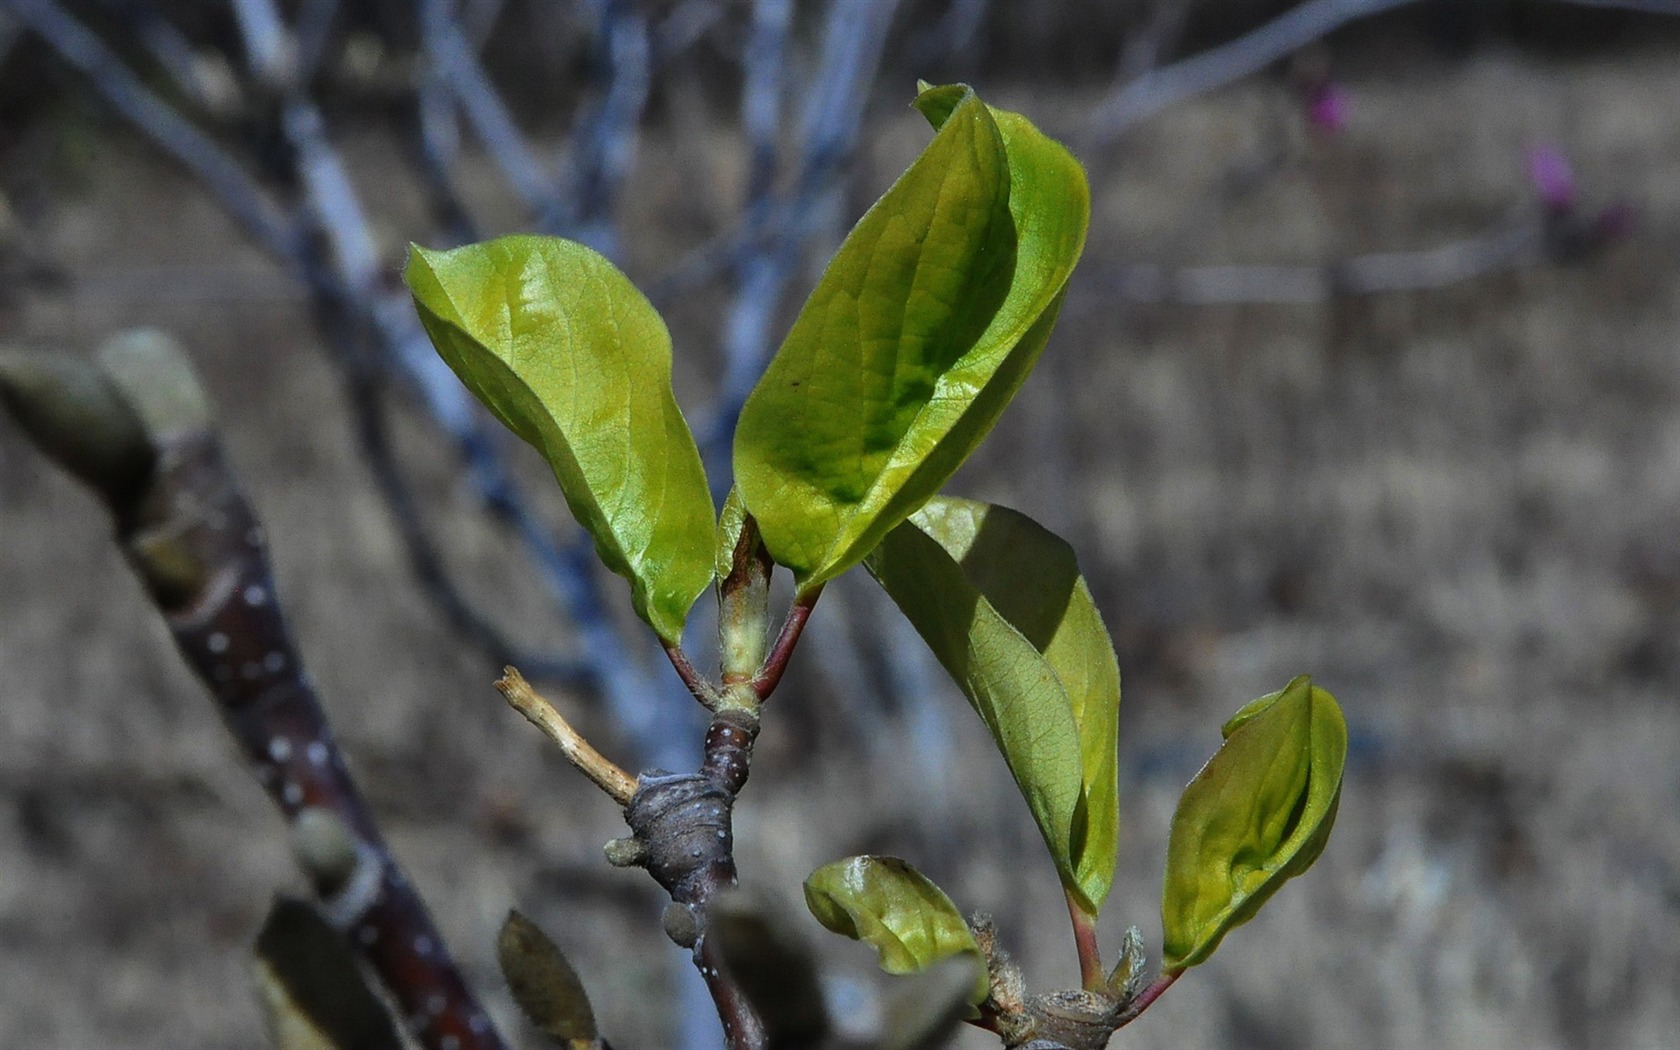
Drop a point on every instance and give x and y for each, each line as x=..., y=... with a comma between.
x=270, y=51
x=1140, y=98
x=604, y=146
x=313, y=33
x=236, y=191
x=622, y=677
x=1091, y=975
x=439, y=143
x=702, y=690
x=775, y=664
x=1146, y=998
x=601, y=771
x=196, y=544
x=1373, y=274
x=456, y=67
x=682, y=832
x=686, y=24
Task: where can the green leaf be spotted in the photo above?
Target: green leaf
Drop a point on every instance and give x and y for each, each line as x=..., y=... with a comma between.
x=731, y=520
x=544, y=984
x=999, y=600
x=572, y=358
x=923, y=327
x=1257, y=815
x=893, y=908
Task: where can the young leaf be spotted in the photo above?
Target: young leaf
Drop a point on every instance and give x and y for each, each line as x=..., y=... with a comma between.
x=923, y=327
x=893, y=908
x=999, y=600
x=572, y=358
x=731, y=520
x=544, y=984
x=1257, y=815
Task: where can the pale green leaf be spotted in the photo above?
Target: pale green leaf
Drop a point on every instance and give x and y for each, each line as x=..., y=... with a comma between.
x=1257, y=815
x=1000, y=601
x=572, y=358
x=925, y=324
x=893, y=908
x=731, y=520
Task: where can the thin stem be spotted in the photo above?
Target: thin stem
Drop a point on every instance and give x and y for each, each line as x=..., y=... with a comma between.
x=770, y=675
x=173, y=133
x=742, y=1029
x=1147, y=997
x=1373, y=274
x=703, y=690
x=1159, y=88
x=1091, y=974
x=579, y=752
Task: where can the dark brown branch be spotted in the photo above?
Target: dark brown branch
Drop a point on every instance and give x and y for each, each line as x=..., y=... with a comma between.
x=197, y=544
x=682, y=832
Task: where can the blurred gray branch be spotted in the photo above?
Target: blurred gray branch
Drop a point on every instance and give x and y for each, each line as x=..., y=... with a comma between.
x=1371, y=274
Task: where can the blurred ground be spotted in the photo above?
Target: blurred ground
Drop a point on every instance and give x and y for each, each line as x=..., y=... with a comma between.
x=1458, y=509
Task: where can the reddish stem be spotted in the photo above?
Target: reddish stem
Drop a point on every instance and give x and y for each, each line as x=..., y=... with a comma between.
x=770, y=675
x=1085, y=941
x=1147, y=997
x=694, y=680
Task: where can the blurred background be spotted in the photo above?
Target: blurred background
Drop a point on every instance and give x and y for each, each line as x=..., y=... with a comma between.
x=1371, y=371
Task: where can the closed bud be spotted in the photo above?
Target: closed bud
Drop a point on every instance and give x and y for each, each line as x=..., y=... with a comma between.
x=77, y=416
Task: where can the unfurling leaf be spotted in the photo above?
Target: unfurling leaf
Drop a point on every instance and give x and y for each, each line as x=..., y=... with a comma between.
x=1127, y=978
x=923, y=327
x=312, y=991
x=1257, y=815
x=572, y=358
x=544, y=984
x=731, y=520
x=893, y=908
x=1000, y=601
